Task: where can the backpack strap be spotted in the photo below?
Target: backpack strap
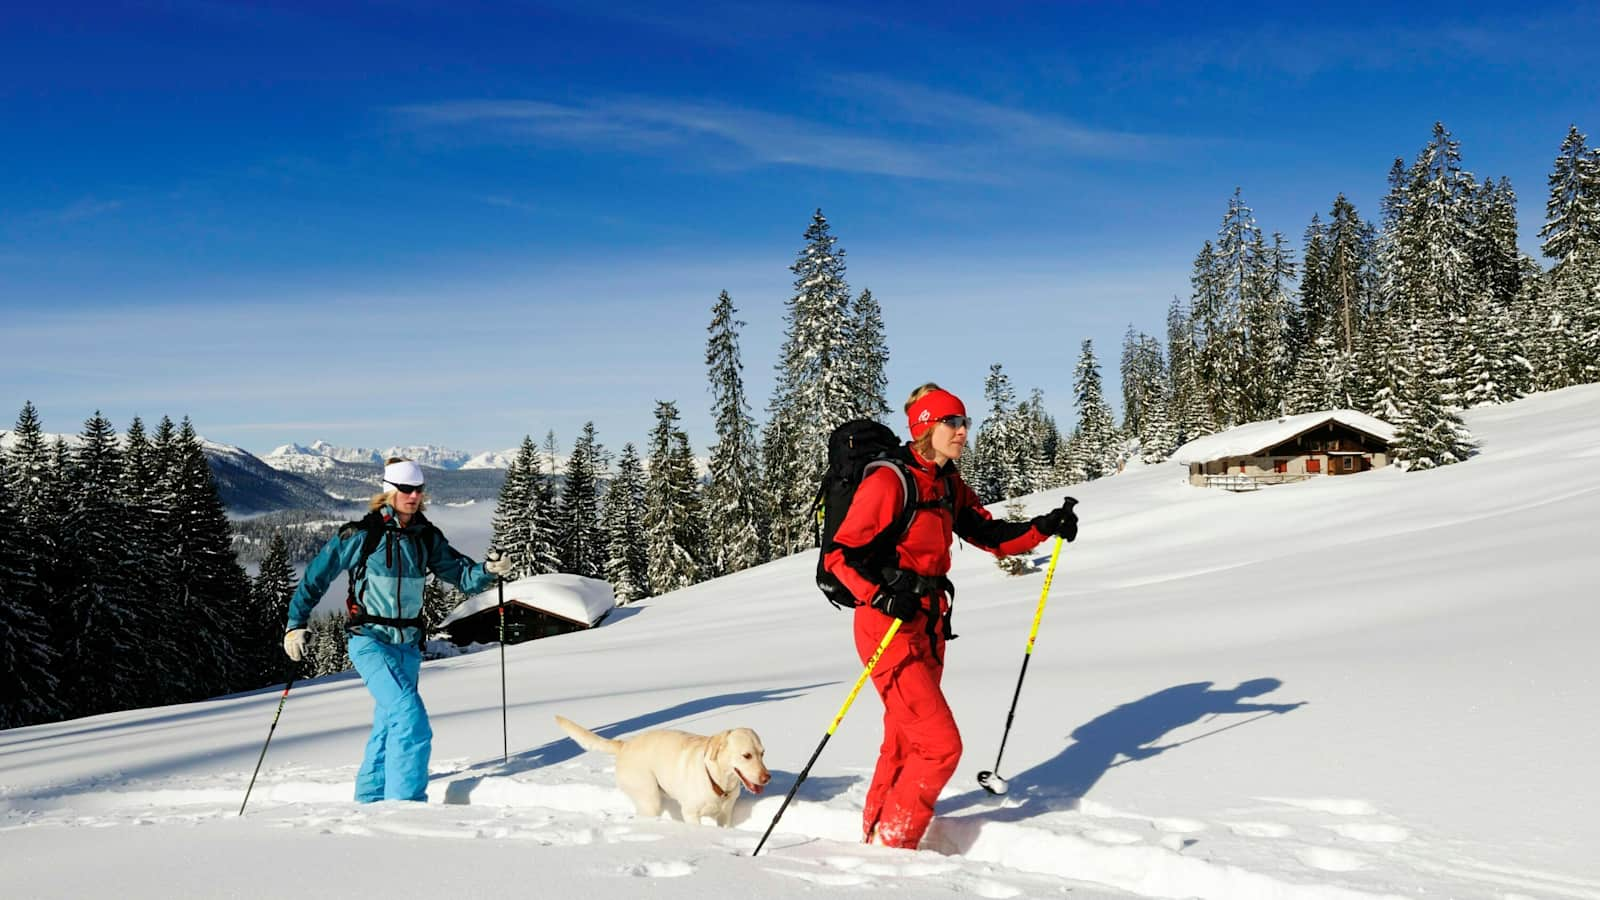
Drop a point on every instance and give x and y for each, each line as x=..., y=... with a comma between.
x=376, y=528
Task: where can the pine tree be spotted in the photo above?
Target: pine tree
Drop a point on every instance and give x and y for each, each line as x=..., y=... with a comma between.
x=328, y=653
x=27, y=657
x=97, y=637
x=816, y=387
x=270, y=594
x=1431, y=434
x=207, y=586
x=1572, y=213
x=438, y=601
x=733, y=497
x=674, y=527
x=524, y=527
x=1096, y=435
x=142, y=520
x=1349, y=276
x=869, y=358
x=998, y=444
x=628, y=557
x=582, y=546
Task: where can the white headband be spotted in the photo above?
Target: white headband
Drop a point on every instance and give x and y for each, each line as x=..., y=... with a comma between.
x=402, y=472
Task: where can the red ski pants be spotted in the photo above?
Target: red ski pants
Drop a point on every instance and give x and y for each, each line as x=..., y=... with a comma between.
x=921, y=745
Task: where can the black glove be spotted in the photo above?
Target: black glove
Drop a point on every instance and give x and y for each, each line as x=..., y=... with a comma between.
x=900, y=595
x=1062, y=523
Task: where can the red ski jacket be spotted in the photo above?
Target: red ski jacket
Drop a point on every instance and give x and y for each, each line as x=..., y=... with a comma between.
x=925, y=548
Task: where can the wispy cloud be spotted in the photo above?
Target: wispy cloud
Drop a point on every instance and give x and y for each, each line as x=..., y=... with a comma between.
x=87, y=208
x=649, y=125
x=999, y=124
x=910, y=132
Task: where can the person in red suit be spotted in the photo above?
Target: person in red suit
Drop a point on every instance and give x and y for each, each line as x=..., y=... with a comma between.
x=921, y=745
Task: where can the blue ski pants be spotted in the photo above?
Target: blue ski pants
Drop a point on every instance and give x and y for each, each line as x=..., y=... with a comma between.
x=396, y=764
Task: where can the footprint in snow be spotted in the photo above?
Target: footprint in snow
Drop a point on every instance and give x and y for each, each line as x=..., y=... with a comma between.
x=1179, y=826
x=1339, y=806
x=827, y=879
x=1330, y=860
x=1373, y=833
x=662, y=868
x=1260, y=829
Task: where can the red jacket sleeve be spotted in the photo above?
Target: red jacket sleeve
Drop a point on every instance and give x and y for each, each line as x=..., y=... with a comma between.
x=1001, y=537
x=877, y=502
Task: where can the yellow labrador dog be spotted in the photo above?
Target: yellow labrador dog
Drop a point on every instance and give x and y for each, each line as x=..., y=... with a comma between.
x=703, y=774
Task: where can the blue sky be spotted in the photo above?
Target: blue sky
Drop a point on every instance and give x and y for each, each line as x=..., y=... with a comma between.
x=411, y=222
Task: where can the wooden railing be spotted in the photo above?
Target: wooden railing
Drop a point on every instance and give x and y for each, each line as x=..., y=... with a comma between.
x=1255, y=482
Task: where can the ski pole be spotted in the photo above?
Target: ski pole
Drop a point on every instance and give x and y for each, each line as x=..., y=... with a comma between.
x=990, y=780
x=505, y=734
x=293, y=673
x=865, y=674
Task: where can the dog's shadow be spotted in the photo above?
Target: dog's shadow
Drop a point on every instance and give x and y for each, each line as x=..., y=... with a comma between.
x=461, y=784
x=1129, y=733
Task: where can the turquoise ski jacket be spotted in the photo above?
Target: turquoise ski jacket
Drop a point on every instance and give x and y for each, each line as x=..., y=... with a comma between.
x=389, y=583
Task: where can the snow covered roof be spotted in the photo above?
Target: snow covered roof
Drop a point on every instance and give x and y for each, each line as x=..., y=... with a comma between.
x=571, y=597
x=1250, y=439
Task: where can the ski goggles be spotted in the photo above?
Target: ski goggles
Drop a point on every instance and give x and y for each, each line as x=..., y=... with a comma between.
x=957, y=422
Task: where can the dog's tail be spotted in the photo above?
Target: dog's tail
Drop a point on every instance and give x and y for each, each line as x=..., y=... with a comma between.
x=587, y=739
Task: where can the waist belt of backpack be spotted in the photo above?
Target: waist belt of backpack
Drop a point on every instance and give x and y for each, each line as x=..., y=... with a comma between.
x=938, y=626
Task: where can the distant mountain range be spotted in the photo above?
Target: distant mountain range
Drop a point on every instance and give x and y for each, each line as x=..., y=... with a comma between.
x=324, y=477
x=315, y=456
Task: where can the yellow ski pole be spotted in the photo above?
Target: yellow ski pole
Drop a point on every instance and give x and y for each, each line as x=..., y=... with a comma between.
x=866, y=673
x=991, y=780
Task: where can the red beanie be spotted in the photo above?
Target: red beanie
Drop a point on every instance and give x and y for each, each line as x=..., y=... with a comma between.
x=930, y=408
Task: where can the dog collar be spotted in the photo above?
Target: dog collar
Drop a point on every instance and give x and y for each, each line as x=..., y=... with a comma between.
x=721, y=792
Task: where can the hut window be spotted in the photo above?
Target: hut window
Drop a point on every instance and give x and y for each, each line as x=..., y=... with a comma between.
x=1316, y=446
x=1349, y=463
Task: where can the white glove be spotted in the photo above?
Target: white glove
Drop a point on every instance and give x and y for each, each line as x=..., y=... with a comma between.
x=497, y=564
x=294, y=644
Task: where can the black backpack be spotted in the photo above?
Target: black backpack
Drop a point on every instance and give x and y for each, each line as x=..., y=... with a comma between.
x=855, y=449
x=375, y=528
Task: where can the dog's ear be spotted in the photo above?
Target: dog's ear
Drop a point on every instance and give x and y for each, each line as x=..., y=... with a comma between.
x=718, y=745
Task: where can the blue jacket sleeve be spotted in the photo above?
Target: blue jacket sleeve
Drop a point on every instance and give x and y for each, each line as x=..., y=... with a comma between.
x=459, y=570
x=336, y=556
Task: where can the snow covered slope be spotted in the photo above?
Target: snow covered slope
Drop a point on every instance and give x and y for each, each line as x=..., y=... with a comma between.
x=1379, y=685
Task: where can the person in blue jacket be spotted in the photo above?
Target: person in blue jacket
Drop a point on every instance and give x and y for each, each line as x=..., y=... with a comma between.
x=388, y=555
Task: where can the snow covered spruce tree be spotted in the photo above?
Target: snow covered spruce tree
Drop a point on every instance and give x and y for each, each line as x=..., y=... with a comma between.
x=869, y=358
x=1432, y=434
x=1567, y=311
x=998, y=444
x=1096, y=438
x=27, y=659
x=1146, y=396
x=673, y=523
x=205, y=584
x=582, y=545
x=524, y=527
x=1190, y=406
x=627, y=554
x=142, y=519
x=817, y=386
x=97, y=635
x=733, y=496
x=270, y=593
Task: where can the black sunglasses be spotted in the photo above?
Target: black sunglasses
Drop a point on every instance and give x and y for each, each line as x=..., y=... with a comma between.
x=957, y=421
x=407, y=488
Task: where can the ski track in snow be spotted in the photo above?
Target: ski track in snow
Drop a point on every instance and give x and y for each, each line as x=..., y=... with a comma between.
x=1343, y=846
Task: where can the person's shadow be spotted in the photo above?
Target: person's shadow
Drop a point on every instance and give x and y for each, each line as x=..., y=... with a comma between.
x=1129, y=733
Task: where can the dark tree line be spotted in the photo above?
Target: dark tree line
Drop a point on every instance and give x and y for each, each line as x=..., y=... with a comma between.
x=118, y=583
